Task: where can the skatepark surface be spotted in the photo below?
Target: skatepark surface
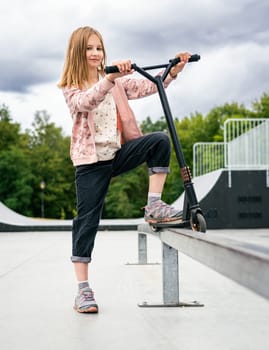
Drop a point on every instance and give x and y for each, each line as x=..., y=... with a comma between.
x=37, y=288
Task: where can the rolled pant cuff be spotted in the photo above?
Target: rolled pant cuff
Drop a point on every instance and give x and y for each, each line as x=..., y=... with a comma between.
x=157, y=170
x=81, y=259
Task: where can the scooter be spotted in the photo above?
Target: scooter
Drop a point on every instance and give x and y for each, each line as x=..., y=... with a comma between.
x=192, y=215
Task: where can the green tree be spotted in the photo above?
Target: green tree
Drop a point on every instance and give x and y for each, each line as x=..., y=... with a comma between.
x=4, y=113
x=261, y=107
x=42, y=154
x=15, y=180
x=51, y=163
x=148, y=125
x=9, y=131
x=15, y=173
x=214, y=120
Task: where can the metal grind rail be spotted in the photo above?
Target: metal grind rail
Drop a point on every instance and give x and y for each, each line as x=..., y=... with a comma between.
x=227, y=252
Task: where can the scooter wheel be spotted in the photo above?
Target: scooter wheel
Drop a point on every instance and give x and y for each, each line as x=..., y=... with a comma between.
x=200, y=224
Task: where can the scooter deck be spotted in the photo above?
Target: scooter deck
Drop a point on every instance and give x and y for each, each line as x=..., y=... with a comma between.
x=180, y=223
x=168, y=225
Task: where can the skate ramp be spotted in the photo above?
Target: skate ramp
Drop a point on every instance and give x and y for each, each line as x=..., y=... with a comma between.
x=202, y=185
x=10, y=221
x=244, y=204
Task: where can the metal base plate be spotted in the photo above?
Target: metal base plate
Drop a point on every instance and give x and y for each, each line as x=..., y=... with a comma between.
x=153, y=263
x=180, y=304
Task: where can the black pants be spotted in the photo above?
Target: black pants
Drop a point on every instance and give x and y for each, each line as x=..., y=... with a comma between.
x=92, y=181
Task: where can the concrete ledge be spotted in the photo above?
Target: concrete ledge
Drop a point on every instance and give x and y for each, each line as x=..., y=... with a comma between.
x=30, y=228
x=65, y=225
x=242, y=255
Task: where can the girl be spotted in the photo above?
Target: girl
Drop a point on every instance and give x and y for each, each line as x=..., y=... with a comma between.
x=106, y=141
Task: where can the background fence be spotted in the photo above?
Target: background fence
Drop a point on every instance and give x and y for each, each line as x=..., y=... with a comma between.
x=245, y=147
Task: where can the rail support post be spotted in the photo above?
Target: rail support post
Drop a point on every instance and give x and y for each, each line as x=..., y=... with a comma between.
x=170, y=276
x=142, y=251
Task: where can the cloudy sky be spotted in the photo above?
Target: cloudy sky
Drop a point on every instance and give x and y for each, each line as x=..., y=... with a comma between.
x=232, y=38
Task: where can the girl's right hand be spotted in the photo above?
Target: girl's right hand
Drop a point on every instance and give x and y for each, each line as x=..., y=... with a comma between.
x=125, y=68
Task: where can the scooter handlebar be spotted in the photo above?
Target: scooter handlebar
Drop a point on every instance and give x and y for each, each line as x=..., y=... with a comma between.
x=174, y=61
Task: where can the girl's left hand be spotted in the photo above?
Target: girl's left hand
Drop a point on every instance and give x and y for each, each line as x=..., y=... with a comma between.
x=184, y=58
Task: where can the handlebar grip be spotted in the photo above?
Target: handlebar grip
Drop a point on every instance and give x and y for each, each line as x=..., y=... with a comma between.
x=193, y=58
x=114, y=69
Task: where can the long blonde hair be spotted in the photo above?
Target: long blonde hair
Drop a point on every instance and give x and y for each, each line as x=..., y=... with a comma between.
x=75, y=71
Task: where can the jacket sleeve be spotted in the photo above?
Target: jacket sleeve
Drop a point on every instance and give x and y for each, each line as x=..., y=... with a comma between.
x=137, y=88
x=86, y=100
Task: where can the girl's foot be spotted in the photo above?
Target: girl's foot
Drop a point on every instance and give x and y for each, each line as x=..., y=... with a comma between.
x=159, y=211
x=85, y=302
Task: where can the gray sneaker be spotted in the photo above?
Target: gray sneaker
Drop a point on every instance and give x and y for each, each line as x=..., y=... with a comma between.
x=159, y=211
x=85, y=302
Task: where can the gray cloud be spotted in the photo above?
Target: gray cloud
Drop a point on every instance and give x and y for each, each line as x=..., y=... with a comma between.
x=231, y=37
x=20, y=75
x=34, y=54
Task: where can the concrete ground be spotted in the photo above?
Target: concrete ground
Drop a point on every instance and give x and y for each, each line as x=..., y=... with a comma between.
x=37, y=288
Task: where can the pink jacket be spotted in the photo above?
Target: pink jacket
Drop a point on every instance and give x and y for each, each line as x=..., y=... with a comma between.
x=82, y=102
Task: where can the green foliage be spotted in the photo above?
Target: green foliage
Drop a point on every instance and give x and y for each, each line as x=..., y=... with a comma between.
x=50, y=159
x=27, y=159
x=42, y=154
x=15, y=180
x=127, y=194
x=9, y=132
x=4, y=113
x=216, y=117
x=148, y=126
x=261, y=108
